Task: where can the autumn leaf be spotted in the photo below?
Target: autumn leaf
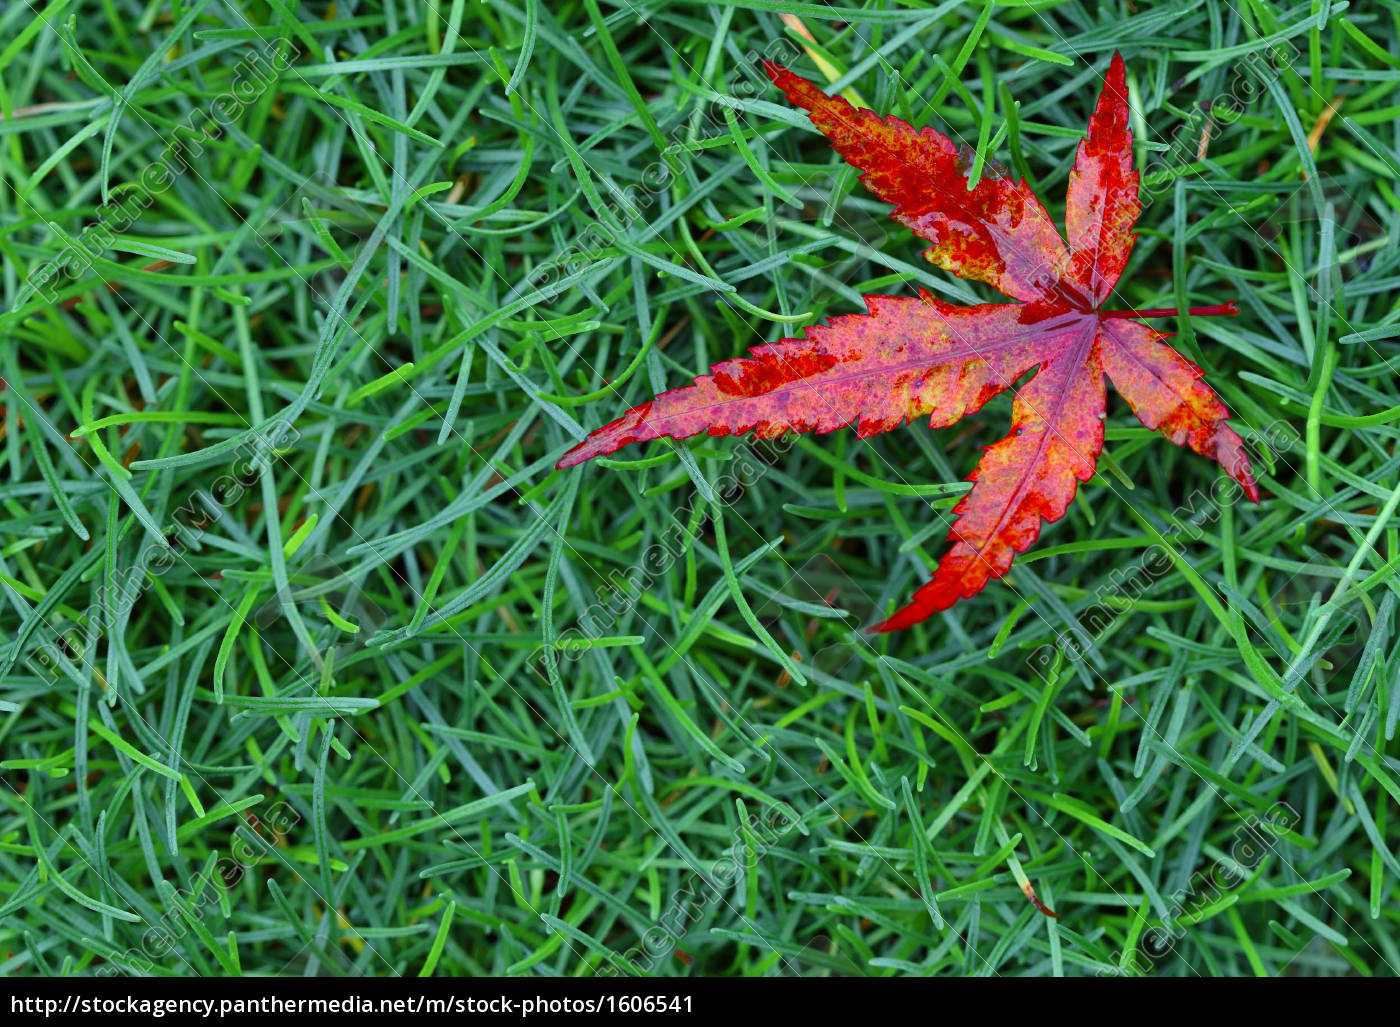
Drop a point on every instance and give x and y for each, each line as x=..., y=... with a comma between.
x=907, y=357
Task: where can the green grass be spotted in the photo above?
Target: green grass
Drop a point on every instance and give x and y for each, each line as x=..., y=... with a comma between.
x=311, y=664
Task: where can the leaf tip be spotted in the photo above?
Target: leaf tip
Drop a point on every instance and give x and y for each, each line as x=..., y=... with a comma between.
x=1117, y=70
x=1029, y=891
x=1250, y=486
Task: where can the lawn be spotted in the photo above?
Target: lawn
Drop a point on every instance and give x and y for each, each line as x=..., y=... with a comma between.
x=312, y=663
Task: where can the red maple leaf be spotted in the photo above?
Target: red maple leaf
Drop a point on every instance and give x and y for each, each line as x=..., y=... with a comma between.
x=910, y=356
